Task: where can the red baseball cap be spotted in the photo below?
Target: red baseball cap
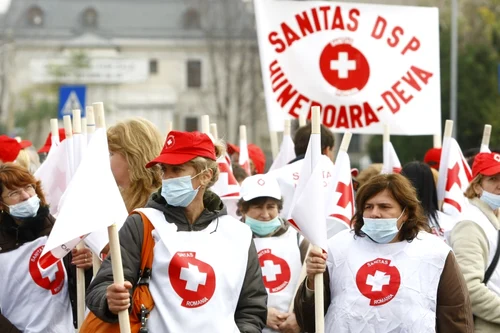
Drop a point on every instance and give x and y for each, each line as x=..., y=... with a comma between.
x=433, y=157
x=487, y=164
x=48, y=141
x=25, y=144
x=254, y=153
x=9, y=149
x=181, y=147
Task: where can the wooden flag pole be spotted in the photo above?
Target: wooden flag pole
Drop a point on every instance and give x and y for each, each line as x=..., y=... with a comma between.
x=302, y=120
x=213, y=131
x=205, y=124
x=273, y=135
x=89, y=113
x=54, y=127
x=80, y=272
x=485, y=142
x=68, y=128
x=114, y=242
x=288, y=126
x=448, y=131
x=84, y=125
x=437, y=140
x=387, y=135
x=318, y=279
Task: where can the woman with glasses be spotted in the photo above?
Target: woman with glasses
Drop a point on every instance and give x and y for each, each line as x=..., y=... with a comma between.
x=32, y=299
x=205, y=274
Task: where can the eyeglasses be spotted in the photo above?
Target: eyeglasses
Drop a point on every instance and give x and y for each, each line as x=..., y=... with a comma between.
x=16, y=194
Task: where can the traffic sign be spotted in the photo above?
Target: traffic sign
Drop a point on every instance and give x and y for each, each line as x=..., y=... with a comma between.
x=71, y=98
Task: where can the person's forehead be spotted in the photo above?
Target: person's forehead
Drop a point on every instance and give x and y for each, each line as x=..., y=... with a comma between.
x=381, y=197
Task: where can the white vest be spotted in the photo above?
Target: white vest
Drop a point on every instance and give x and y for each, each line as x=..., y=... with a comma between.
x=35, y=301
x=279, y=259
x=197, y=276
x=473, y=213
x=384, y=287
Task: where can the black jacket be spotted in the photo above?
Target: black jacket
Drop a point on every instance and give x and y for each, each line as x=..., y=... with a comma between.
x=251, y=311
x=12, y=236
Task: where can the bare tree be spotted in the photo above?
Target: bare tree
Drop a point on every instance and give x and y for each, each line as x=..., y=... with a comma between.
x=229, y=30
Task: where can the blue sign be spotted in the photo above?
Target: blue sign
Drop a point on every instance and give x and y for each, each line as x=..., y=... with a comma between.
x=71, y=98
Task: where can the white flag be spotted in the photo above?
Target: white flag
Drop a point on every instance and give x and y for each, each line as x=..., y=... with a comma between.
x=307, y=212
x=55, y=174
x=340, y=204
x=454, y=177
x=226, y=185
x=93, y=202
x=244, y=159
x=391, y=160
x=286, y=153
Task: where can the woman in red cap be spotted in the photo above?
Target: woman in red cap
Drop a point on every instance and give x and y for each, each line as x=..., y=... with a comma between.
x=32, y=300
x=475, y=240
x=205, y=275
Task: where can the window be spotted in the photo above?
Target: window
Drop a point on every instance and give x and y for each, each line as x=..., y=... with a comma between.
x=194, y=73
x=191, y=19
x=153, y=66
x=355, y=145
x=35, y=16
x=191, y=124
x=89, y=18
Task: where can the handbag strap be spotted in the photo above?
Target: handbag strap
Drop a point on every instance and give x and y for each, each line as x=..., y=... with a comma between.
x=494, y=262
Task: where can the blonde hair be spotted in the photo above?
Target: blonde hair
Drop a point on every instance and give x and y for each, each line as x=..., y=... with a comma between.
x=470, y=192
x=139, y=141
x=368, y=173
x=202, y=163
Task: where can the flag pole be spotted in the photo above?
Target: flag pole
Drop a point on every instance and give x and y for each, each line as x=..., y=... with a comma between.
x=205, y=124
x=318, y=279
x=80, y=272
x=302, y=120
x=213, y=131
x=448, y=131
x=170, y=126
x=114, y=242
x=273, y=135
x=485, y=142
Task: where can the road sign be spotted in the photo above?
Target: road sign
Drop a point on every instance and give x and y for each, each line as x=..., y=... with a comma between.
x=71, y=98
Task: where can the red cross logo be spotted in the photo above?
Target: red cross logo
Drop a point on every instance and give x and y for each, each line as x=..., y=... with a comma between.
x=52, y=278
x=378, y=281
x=275, y=271
x=170, y=141
x=192, y=279
x=261, y=182
x=344, y=67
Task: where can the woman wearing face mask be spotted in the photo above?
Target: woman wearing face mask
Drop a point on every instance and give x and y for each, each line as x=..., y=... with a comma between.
x=474, y=240
x=388, y=274
x=277, y=248
x=205, y=275
x=32, y=300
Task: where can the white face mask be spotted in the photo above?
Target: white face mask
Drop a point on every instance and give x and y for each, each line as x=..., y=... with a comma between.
x=381, y=230
x=493, y=200
x=27, y=208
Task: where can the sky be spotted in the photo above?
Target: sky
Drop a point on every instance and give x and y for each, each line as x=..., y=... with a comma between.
x=4, y=4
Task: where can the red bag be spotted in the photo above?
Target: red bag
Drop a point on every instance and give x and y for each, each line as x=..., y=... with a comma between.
x=141, y=296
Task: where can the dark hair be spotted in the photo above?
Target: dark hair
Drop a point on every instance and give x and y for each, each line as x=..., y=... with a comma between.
x=239, y=173
x=403, y=192
x=15, y=176
x=244, y=206
x=420, y=175
x=301, y=139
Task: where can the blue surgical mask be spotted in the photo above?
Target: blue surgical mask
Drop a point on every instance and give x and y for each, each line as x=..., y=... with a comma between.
x=381, y=230
x=493, y=200
x=263, y=228
x=25, y=209
x=179, y=192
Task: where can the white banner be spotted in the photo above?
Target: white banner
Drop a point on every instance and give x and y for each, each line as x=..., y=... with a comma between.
x=100, y=70
x=365, y=65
